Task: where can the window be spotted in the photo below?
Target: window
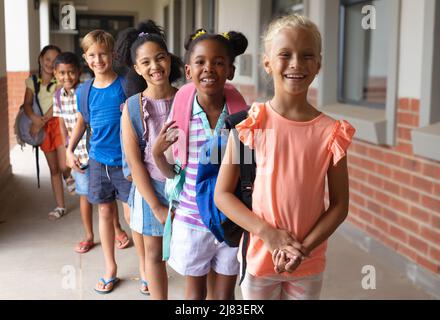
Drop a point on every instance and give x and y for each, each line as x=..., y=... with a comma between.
x=166, y=21
x=208, y=18
x=111, y=24
x=426, y=139
x=177, y=26
x=363, y=52
x=284, y=7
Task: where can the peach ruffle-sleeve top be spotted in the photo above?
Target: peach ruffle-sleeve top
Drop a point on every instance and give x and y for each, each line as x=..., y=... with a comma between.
x=292, y=161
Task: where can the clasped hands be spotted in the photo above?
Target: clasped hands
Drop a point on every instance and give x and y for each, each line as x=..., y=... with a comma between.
x=287, y=251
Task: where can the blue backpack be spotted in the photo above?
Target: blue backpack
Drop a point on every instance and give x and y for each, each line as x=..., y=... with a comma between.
x=210, y=158
x=208, y=168
x=209, y=165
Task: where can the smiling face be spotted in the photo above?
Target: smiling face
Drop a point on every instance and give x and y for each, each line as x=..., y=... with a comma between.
x=47, y=60
x=209, y=67
x=293, y=60
x=67, y=75
x=153, y=63
x=99, y=58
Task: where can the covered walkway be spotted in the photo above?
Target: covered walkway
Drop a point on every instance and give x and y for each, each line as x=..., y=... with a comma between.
x=37, y=260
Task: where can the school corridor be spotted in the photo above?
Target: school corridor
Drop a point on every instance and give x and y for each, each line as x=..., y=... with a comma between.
x=37, y=260
x=380, y=72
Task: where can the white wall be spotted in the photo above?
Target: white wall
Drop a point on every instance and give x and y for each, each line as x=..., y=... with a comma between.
x=411, y=44
x=243, y=16
x=44, y=23
x=17, y=27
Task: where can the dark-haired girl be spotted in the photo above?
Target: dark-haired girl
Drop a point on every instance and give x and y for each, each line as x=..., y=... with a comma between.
x=194, y=250
x=149, y=207
x=53, y=144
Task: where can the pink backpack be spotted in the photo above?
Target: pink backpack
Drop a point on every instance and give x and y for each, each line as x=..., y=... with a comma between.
x=182, y=111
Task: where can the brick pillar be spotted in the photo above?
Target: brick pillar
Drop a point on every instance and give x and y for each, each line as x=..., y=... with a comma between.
x=15, y=97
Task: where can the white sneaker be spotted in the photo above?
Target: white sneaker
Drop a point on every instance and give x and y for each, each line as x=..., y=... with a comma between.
x=57, y=213
x=70, y=185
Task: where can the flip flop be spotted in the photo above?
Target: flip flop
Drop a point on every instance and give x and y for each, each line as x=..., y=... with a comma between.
x=122, y=241
x=144, y=284
x=85, y=245
x=112, y=281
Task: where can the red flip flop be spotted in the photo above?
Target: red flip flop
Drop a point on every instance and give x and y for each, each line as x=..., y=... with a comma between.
x=84, y=246
x=122, y=241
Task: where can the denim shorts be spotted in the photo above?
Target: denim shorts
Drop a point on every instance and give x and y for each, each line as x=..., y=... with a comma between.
x=107, y=183
x=142, y=219
x=81, y=182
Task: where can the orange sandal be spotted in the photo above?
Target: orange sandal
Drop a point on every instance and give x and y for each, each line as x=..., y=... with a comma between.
x=122, y=241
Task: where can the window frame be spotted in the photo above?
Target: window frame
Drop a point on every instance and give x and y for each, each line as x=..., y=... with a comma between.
x=344, y=4
x=377, y=126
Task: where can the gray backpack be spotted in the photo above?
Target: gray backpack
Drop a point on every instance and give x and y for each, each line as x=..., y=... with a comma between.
x=23, y=123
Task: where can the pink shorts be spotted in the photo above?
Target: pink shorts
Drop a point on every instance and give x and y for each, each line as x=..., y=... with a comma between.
x=280, y=287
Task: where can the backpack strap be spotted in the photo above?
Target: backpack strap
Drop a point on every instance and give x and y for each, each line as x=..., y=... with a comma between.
x=136, y=114
x=182, y=111
x=84, y=99
x=36, y=92
x=84, y=106
x=58, y=97
x=36, y=148
x=247, y=177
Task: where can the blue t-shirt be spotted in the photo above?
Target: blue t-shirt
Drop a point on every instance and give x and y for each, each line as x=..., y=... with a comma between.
x=105, y=116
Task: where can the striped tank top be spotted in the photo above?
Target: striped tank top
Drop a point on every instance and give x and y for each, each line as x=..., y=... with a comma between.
x=200, y=131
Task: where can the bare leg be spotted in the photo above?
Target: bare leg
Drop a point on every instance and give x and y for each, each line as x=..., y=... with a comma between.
x=126, y=209
x=61, y=153
x=86, y=209
x=140, y=250
x=225, y=287
x=195, y=288
x=55, y=178
x=212, y=276
x=116, y=223
x=155, y=268
x=120, y=234
x=107, y=235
